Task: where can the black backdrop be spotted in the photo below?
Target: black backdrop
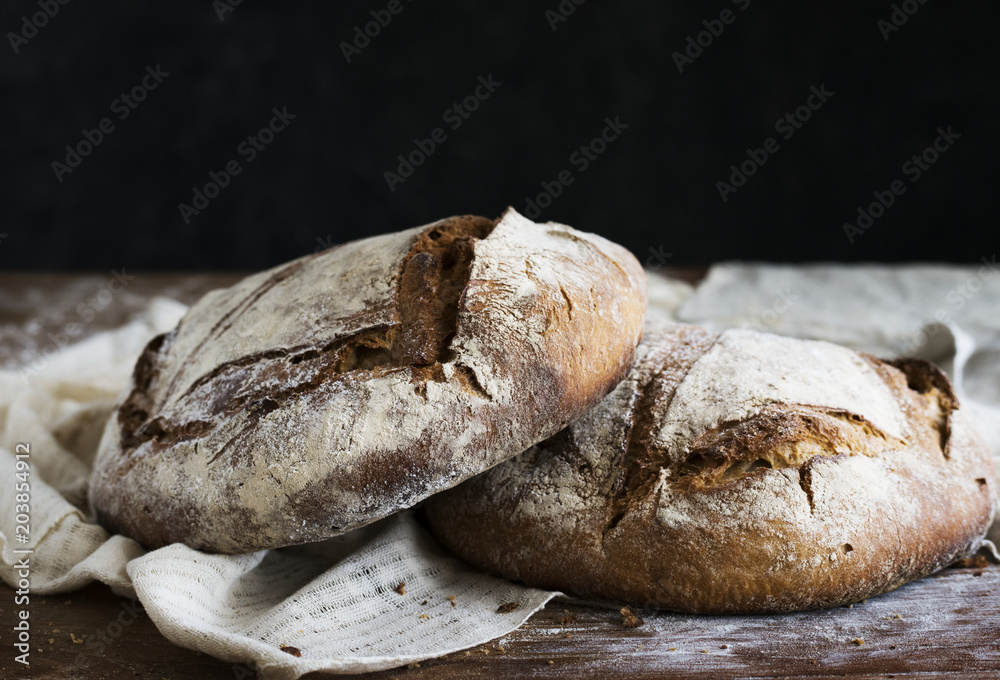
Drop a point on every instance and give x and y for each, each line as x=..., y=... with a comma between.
x=682, y=112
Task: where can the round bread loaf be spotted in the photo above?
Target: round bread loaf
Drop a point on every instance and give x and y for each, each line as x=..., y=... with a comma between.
x=325, y=394
x=736, y=472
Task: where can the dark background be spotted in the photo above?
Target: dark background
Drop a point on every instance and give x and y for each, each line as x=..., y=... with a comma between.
x=321, y=181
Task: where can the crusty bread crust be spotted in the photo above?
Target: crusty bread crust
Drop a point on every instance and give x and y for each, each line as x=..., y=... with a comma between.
x=329, y=392
x=737, y=472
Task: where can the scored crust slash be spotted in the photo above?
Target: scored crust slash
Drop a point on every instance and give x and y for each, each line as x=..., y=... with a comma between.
x=737, y=472
x=332, y=391
x=501, y=370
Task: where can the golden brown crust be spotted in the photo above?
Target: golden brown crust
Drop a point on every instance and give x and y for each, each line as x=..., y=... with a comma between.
x=792, y=505
x=331, y=391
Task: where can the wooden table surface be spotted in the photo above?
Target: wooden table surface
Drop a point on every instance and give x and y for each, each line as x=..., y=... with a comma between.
x=947, y=625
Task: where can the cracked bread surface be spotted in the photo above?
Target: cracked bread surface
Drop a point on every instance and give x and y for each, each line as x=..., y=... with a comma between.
x=736, y=472
x=331, y=391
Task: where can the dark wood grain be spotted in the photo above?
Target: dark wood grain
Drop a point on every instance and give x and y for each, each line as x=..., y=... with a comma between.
x=41, y=312
x=945, y=625
x=948, y=623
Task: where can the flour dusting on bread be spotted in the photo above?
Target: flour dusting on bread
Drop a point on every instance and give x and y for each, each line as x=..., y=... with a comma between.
x=334, y=390
x=736, y=472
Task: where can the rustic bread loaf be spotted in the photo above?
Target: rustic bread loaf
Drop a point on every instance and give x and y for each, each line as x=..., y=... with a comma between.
x=332, y=391
x=736, y=472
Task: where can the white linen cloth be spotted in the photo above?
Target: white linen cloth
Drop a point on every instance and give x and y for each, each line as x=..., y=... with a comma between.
x=338, y=603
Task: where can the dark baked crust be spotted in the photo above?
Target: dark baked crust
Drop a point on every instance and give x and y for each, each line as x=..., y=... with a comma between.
x=792, y=506
x=331, y=391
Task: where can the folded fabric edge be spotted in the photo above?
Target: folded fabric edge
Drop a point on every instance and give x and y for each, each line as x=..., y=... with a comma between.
x=293, y=668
